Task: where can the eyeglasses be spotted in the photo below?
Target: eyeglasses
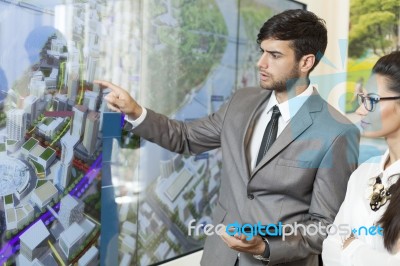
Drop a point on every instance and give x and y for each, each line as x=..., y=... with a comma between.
x=370, y=101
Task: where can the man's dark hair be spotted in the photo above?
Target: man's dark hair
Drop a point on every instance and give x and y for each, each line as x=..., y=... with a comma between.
x=306, y=31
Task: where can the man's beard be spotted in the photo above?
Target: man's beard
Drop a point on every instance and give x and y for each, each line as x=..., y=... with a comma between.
x=286, y=83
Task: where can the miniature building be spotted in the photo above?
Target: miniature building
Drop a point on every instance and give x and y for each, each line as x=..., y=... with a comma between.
x=91, y=132
x=78, y=124
x=71, y=210
x=71, y=239
x=16, y=124
x=42, y=195
x=90, y=257
x=33, y=241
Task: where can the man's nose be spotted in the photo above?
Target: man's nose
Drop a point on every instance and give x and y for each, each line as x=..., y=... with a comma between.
x=262, y=62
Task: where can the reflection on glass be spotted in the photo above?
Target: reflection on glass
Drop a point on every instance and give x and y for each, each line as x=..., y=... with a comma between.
x=50, y=139
x=190, y=56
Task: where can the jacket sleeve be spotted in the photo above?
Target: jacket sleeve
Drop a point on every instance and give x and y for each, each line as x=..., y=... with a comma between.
x=332, y=246
x=329, y=190
x=183, y=137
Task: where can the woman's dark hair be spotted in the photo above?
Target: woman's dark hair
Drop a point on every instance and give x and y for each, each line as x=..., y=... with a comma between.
x=390, y=220
x=306, y=31
x=389, y=67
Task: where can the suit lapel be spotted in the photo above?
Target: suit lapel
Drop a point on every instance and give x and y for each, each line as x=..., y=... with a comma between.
x=249, y=127
x=298, y=124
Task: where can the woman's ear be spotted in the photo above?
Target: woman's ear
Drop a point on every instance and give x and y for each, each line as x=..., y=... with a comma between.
x=397, y=247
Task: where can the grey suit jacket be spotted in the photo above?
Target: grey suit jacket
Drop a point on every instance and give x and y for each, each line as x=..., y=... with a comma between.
x=301, y=179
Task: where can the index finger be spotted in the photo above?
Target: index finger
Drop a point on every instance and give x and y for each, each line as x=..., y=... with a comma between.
x=107, y=84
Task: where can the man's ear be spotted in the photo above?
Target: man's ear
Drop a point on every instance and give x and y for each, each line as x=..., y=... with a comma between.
x=306, y=63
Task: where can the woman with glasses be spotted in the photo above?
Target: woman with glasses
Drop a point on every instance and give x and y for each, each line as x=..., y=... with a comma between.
x=366, y=230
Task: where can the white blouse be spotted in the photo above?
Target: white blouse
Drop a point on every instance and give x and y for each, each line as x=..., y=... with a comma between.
x=367, y=248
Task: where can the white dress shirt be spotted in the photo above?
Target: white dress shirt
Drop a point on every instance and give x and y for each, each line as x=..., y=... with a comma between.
x=356, y=212
x=137, y=121
x=288, y=109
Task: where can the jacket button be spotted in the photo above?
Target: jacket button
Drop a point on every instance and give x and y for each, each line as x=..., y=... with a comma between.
x=250, y=196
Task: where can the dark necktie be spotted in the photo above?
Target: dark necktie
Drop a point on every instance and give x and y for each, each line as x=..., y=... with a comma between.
x=269, y=134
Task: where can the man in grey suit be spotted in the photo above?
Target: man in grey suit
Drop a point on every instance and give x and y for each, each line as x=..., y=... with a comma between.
x=298, y=179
